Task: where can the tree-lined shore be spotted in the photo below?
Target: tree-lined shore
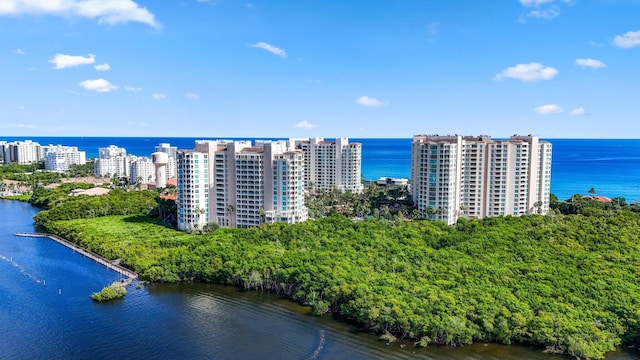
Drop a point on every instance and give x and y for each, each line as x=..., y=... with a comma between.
x=568, y=283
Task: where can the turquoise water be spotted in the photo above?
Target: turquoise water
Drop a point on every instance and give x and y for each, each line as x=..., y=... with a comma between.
x=611, y=166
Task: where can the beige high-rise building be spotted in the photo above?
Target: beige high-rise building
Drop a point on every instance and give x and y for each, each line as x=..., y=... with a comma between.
x=331, y=164
x=252, y=184
x=476, y=177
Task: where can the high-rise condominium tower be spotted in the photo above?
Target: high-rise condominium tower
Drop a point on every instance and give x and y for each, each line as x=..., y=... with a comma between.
x=247, y=185
x=477, y=177
x=193, y=189
x=331, y=164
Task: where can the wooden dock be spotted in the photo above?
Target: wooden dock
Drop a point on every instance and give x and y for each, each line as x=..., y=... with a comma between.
x=93, y=256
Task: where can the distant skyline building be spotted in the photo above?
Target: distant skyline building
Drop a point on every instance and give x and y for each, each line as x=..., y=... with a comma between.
x=111, y=151
x=21, y=152
x=141, y=170
x=477, y=177
x=59, y=158
x=112, y=162
x=111, y=167
x=4, y=147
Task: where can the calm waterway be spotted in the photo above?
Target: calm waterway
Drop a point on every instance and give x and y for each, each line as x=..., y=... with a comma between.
x=46, y=313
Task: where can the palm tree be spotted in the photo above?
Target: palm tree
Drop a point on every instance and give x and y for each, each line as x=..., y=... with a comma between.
x=199, y=212
x=463, y=210
x=592, y=191
x=538, y=206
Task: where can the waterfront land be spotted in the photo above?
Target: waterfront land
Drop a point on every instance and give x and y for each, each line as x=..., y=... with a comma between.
x=565, y=282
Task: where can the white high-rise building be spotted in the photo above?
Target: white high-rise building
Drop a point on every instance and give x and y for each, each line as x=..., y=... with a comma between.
x=4, y=148
x=331, y=164
x=115, y=166
x=143, y=170
x=111, y=151
x=286, y=183
x=111, y=162
x=476, y=177
x=22, y=152
x=105, y=167
x=193, y=189
x=250, y=185
x=60, y=158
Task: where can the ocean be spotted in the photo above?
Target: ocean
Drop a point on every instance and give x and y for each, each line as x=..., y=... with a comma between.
x=610, y=166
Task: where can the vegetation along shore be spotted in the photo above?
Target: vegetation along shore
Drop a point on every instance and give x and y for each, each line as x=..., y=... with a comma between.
x=567, y=282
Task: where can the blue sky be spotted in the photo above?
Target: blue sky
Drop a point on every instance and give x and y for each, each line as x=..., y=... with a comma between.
x=280, y=68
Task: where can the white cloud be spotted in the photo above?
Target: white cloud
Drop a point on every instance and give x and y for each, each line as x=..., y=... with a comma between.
x=62, y=61
x=548, y=14
x=132, y=88
x=102, y=67
x=548, y=109
x=578, y=111
x=529, y=3
x=98, y=85
x=158, y=96
x=18, y=52
x=627, y=40
x=304, y=124
x=541, y=9
x=270, y=48
x=192, y=96
x=368, y=101
x=110, y=12
x=592, y=63
x=528, y=72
